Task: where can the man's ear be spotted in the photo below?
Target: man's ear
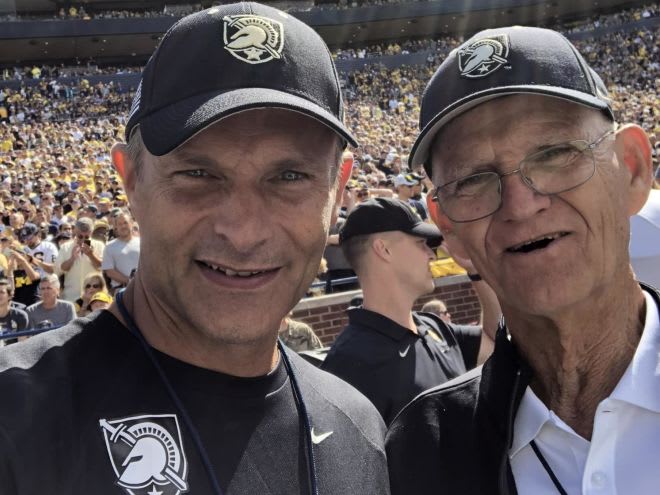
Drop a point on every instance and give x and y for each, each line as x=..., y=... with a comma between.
x=446, y=227
x=634, y=151
x=380, y=247
x=435, y=212
x=345, y=169
x=125, y=167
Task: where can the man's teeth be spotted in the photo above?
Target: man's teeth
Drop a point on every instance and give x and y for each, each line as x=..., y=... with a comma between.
x=539, y=242
x=232, y=273
x=544, y=238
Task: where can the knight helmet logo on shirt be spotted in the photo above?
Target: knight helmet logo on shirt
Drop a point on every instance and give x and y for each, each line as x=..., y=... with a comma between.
x=483, y=56
x=252, y=38
x=146, y=453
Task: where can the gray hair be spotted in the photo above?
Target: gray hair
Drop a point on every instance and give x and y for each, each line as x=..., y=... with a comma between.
x=85, y=224
x=51, y=278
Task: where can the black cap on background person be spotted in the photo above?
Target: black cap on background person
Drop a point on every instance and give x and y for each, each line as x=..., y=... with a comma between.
x=387, y=215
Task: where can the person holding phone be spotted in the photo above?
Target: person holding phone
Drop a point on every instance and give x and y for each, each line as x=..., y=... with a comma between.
x=78, y=258
x=21, y=269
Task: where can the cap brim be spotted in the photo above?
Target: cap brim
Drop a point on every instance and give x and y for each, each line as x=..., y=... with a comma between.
x=420, y=150
x=428, y=231
x=166, y=129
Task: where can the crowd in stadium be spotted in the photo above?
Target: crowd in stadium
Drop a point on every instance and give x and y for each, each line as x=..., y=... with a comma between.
x=55, y=139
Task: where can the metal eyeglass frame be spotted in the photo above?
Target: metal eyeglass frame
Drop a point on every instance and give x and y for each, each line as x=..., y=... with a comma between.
x=587, y=147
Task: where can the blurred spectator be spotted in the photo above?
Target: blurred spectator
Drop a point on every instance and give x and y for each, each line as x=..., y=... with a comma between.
x=438, y=308
x=65, y=233
x=404, y=186
x=92, y=284
x=43, y=252
x=24, y=274
x=298, y=336
x=12, y=319
x=101, y=231
x=50, y=311
x=121, y=255
x=99, y=301
x=78, y=258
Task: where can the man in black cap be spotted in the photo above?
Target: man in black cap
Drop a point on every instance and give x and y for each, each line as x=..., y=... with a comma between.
x=233, y=148
x=535, y=183
x=43, y=252
x=389, y=352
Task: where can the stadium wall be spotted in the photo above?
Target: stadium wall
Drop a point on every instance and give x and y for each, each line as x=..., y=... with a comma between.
x=327, y=314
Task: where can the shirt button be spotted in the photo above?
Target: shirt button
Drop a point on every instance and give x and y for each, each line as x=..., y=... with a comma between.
x=599, y=480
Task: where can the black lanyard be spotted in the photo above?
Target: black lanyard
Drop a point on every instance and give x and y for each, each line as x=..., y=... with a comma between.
x=547, y=468
x=197, y=440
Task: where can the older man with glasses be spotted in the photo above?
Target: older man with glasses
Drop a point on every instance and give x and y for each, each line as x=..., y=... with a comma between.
x=535, y=183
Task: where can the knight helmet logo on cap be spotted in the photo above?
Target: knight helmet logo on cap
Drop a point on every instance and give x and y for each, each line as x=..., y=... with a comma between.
x=252, y=38
x=483, y=56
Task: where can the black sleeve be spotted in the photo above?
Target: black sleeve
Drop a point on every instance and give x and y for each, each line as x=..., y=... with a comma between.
x=365, y=378
x=469, y=340
x=413, y=453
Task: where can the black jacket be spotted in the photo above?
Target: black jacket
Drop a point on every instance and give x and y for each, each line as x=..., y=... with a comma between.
x=455, y=438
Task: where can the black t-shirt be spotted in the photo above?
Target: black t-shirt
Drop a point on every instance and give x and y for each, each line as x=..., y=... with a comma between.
x=25, y=291
x=14, y=321
x=90, y=415
x=391, y=365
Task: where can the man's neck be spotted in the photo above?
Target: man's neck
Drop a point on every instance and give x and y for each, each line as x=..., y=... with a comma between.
x=49, y=304
x=389, y=302
x=164, y=331
x=579, y=357
x=4, y=310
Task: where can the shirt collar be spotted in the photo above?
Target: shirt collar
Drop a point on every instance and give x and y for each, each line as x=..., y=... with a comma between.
x=380, y=323
x=530, y=418
x=640, y=384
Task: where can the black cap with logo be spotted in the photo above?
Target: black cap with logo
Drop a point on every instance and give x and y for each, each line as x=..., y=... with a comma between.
x=387, y=215
x=500, y=62
x=27, y=231
x=229, y=59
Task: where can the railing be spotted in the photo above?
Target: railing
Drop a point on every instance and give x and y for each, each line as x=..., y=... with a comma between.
x=7, y=335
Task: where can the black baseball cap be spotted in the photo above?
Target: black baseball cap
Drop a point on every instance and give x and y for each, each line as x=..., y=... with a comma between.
x=228, y=59
x=28, y=230
x=500, y=62
x=387, y=215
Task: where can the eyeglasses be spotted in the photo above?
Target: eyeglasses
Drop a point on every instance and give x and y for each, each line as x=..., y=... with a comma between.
x=82, y=237
x=552, y=170
x=95, y=286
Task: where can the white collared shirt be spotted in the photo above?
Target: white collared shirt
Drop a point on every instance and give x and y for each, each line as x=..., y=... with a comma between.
x=623, y=456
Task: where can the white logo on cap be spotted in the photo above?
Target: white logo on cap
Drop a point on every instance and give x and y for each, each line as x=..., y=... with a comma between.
x=484, y=56
x=253, y=39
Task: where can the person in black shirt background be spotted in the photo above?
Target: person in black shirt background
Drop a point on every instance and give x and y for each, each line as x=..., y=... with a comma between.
x=389, y=352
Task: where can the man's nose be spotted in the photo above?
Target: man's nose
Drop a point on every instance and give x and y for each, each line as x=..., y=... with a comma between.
x=242, y=219
x=519, y=200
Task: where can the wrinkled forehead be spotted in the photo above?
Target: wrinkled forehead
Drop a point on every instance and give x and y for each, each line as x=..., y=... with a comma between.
x=516, y=125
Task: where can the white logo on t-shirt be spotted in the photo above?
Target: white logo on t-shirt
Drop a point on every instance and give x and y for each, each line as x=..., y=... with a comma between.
x=146, y=453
